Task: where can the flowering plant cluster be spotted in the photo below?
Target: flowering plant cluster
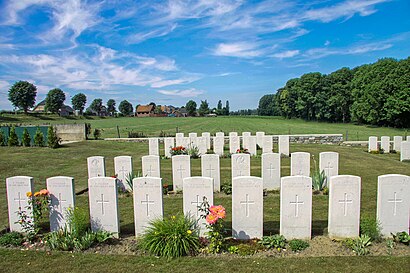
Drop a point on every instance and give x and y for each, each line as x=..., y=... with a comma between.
x=242, y=151
x=178, y=150
x=214, y=216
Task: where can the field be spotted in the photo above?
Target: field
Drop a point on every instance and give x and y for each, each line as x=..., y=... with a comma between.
x=154, y=126
x=70, y=160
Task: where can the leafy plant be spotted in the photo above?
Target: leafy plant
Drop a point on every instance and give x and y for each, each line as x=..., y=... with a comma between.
x=402, y=237
x=77, y=221
x=25, y=138
x=371, y=228
x=233, y=250
x=390, y=246
x=97, y=133
x=178, y=150
x=53, y=141
x=247, y=249
x=226, y=188
x=39, y=138
x=318, y=177
x=13, y=138
x=129, y=179
x=275, y=241
x=298, y=245
x=12, y=239
x=214, y=216
x=171, y=237
x=361, y=245
x=2, y=138
x=193, y=152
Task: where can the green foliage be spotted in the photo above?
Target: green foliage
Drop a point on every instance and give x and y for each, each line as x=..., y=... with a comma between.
x=191, y=107
x=318, y=180
x=23, y=95
x=129, y=179
x=126, y=108
x=11, y=239
x=402, y=237
x=226, y=188
x=179, y=150
x=193, y=152
x=266, y=105
x=53, y=141
x=13, y=138
x=275, y=241
x=78, y=101
x=25, y=138
x=96, y=106
x=2, y=138
x=54, y=100
x=371, y=228
x=390, y=246
x=233, y=250
x=66, y=241
x=203, y=108
x=39, y=138
x=111, y=107
x=77, y=221
x=132, y=134
x=298, y=245
x=97, y=133
x=360, y=245
x=171, y=237
x=247, y=249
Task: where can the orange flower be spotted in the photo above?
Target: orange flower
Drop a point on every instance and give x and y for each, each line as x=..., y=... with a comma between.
x=29, y=194
x=36, y=193
x=219, y=211
x=44, y=192
x=211, y=219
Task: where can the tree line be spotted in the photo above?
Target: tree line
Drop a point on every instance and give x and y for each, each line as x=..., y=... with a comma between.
x=376, y=94
x=204, y=109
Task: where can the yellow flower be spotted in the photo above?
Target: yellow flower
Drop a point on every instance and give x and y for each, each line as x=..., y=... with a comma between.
x=29, y=194
x=173, y=217
x=189, y=231
x=36, y=194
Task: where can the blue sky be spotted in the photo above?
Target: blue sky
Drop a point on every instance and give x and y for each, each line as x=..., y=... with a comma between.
x=172, y=51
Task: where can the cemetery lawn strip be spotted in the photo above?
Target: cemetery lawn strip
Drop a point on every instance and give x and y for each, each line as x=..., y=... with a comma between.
x=39, y=261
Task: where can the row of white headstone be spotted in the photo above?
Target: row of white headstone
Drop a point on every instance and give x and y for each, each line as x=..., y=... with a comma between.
x=210, y=167
x=203, y=143
x=398, y=145
x=393, y=203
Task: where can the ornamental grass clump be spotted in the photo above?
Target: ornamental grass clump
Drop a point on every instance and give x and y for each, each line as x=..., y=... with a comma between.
x=171, y=237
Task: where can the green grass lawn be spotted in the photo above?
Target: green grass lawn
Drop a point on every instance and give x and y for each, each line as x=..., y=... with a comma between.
x=153, y=126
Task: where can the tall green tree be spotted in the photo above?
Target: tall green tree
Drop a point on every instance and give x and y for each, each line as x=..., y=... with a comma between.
x=203, y=108
x=96, y=106
x=111, y=107
x=78, y=101
x=266, y=106
x=219, y=109
x=22, y=95
x=125, y=108
x=54, y=100
x=227, y=110
x=191, y=107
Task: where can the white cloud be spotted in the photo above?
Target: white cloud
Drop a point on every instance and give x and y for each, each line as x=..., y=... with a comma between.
x=183, y=80
x=317, y=53
x=186, y=93
x=143, y=36
x=239, y=49
x=286, y=54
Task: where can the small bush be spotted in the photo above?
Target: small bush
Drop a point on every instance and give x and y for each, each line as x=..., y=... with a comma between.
x=12, y=239
x=371, y=228
x=87, y=130
x=67, y=241
x=298, y=245
x=193, y=152
x=97, y=133
x=2, y=138
x=226, y=188
x=77, y=221
x=275, y=241
x=402, y=237
x=53, y=141
x=25, y=139
x=360, y=245
x=13, y=138
x=171, y=237
x=233, y=250
x=39, y=138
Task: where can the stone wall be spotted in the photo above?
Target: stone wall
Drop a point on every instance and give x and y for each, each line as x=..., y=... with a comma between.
x=71, y=132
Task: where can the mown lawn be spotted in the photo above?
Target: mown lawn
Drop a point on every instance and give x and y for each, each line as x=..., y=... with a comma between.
x=154, y=126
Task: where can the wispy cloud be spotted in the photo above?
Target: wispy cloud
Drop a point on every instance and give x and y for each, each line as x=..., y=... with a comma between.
x=286, y=54
x=185, y=93
x=239, y=49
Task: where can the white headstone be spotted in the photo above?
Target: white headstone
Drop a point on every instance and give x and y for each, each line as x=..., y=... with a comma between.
x=252, y=145
x=283, y=143
x=207, y=136
x=233, y=134
x=185, y=142
x=408, y=138
x=103, y=198
x=385, y=144
x=296, y=207
x=62, y=195
x=247, y=207
x=195, y=189
x=344, y=206
x=96, y=166
x=201, y=144
x=181, y=168
x=123, y=167
x=178, y=139
x=148, y=204
x=193, y=139
x=210, y=168
x=329, y=162
x=267, y=144
x=373, y=144
x=17, y=188
x=168, y=145
x=405, y=151
x=234, y=144
x=245, y=140
x=153, y=146
x=271, y=171
x=220, y=134
x=393, y=203
x=151, y=166
x=397, y=140
x=300, y=164
x=259, y=138
x=219, y=145
x=241, y=165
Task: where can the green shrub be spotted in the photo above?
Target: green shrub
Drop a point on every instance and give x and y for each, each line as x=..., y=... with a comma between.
x=132, y=134
x=13, y=138
x=226, y=188
x=53, y=141
x=402, y=237
x=298, y=245
x=87, y=130
x=193, y=152
x=360, y=245
x=12, y=239
x=97, y=133
x=67, y=241
x=171, y=237
x=77, y=221
x=25, y=139
x=233, y=250
x=129, y=179
x=275, y=241
x=390, y=246
x=318, y=177
x=39, y=138
x=371, y=228
x=2, y=138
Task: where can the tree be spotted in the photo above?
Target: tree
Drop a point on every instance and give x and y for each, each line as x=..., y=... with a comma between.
x=54, y=100
x=53, y=141
x=203, y=108
x=219, y=110
x=111, y=106
x=227, y=108
x=78, y=101
x=25, y=138
x=23, y=95
x=125, y=108
x=265, y=107
x=96, y=106
x=39, y=138
x=191, y=107
x=13, y=138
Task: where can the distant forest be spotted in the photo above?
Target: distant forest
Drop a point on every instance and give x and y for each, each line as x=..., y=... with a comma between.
x=376, y=94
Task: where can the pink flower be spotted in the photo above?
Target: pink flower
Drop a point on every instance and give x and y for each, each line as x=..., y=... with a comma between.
x=211, y=219
x=219, y=211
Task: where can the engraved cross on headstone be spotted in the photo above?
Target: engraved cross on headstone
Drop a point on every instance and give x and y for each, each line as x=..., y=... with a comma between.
x=198, y=204
x=210, y=169
x=180, y=170
x=150, y=170
x=124, y=171
x=147, y=202
x=102, y=202
x=19, y=199
x=328, y=168
x=60, y=202
x=271, y=169
x=247, y=202
x=345, y=202
x=297, y=203
x=94, y=166
x=395, y=201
